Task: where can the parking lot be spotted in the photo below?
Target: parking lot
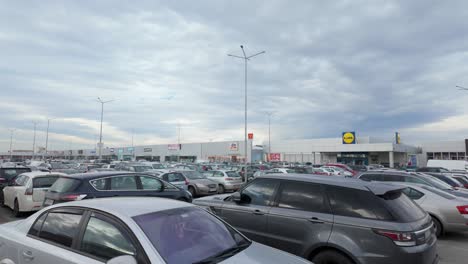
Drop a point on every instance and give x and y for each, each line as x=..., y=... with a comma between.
x=452, y=248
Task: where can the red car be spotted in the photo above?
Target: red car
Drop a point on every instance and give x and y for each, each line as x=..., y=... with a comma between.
x=344, y=167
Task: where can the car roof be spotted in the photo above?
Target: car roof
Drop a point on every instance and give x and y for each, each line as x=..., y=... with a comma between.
x=128, y=206
x=378, y=188
x=42, y=173
x=99, y=174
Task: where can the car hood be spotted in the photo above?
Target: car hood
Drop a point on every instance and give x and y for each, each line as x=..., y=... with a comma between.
x=259, y=254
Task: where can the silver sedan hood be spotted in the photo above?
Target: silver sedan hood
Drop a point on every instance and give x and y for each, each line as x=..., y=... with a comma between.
x=261, y=254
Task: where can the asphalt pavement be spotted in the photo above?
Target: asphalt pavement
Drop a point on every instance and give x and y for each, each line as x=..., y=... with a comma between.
x=453, y=247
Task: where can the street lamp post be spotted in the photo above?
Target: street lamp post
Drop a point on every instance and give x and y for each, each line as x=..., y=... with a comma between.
x=269, y=130
x=100, y=131
x=34, y=142
x=11, y=143
x=47, y=137
x=245, y=58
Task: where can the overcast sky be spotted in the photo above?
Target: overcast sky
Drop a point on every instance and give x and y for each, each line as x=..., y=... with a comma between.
x=374, y=67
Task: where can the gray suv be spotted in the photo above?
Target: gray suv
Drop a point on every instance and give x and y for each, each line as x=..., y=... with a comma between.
x=330, y=220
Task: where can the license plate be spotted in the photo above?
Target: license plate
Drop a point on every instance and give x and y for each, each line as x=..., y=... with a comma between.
x=212, y=190
x=48, y=202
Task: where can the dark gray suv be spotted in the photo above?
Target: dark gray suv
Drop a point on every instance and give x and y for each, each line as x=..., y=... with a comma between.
x=330, y=219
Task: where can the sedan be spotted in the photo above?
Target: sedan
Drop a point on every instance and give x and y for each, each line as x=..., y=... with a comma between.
x=130, y=230
x=110, y=184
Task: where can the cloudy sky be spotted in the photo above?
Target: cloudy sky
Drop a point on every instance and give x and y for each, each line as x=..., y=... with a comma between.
x=374, y=67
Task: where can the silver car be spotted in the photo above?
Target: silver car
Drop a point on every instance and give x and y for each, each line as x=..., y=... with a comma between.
x=449, y=213
x=195, y=182
x=129, y=230
x=227, y=180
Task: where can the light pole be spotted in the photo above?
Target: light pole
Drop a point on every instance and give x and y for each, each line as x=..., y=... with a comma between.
x=269, y=134
x=47, y=136
x=11, y=142
x=245, y=58
x=100, y=132
x=34, y=141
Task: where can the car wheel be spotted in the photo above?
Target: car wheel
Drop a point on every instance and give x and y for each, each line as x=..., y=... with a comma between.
x=331, y=257
x=221, y=189
x=437, y=226
x=16, y=210
x=192, y=191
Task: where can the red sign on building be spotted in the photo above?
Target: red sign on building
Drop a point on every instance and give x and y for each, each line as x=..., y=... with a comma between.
x=275, y=157
x=250, y=135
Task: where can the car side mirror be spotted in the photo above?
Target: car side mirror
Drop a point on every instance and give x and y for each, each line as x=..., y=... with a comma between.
x=236, y=197
x=126, y=259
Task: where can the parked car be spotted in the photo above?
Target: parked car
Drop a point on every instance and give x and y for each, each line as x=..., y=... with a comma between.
x=449, y=164
x=322, y=171
x=449, y=213
x=358, y=168
x=250, y=172
x=109, y=184
x=415, y=177
x=335, y=171
x=7, y=173
x=433, y=170
x=282, y=170
x=26, y=192
x=462, y=178
x=130, y=230
x=194, y=182
x=447, y=179
x=330, y=219
x=347, y=170
x=227, y=180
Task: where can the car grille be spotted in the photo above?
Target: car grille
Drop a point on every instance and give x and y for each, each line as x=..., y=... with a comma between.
x=212, y=185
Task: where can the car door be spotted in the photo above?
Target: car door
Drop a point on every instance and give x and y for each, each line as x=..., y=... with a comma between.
x=250, y=216
x=123, y=185
x=52, y=237
x=176, y=179
x=300, y=218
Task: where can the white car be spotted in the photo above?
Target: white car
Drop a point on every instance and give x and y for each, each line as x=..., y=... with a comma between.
x=282, y=170
x=130, y=230
x=27, y=191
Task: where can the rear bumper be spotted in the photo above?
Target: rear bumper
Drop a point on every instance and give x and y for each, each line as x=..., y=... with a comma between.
x=30, y=206
x=232, y=187
x=206, y=190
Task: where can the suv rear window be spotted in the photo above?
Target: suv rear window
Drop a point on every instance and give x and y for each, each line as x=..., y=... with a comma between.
x=63, y=185
x=402, y=207
x=44, y=182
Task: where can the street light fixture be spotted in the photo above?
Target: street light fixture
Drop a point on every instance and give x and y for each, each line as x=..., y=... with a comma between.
x=100, y=132
x=245, y=58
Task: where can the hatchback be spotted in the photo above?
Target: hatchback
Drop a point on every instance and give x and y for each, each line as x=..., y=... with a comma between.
x=110, y=184
x=227, y=180
x=195, y=182
x=330, y=219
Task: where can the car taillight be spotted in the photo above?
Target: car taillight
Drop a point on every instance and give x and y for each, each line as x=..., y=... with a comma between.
x=29, y=191
x=463, y=209
x=403, y=239
x=186, y=182
x=229, y=179
x=2, y=180
x=73, y=197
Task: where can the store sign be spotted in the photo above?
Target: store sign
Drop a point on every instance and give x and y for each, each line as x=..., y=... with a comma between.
x=174, y=146
x=234, y=146
x=147, y=150
x=274, y=157
x=250, y=135
x=349, y=137
x=397, y=138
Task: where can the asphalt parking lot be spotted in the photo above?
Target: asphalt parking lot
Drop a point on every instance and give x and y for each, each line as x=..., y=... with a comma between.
x=453, y=247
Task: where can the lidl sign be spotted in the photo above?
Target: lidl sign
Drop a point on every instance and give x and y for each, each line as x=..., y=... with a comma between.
x=349, y=137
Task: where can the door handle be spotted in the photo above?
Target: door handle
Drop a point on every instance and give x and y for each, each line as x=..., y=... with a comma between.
x=258, y=212
x=28, y=255
x=315, y=220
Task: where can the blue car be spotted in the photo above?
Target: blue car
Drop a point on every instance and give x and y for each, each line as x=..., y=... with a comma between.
x=111, y=184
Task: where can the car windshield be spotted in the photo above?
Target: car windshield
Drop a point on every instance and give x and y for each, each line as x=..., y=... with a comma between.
x=402, y=207
x=44, y=182
x=63, y=185
x=190, y=235
x=158, y=166
x=232, y=174
x=439, y=192
x=142, y=168
x=193, y=175
x=436, y=182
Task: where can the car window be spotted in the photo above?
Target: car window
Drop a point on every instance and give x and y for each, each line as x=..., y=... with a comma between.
x=44, y=182
x=219, y=174
x=414, y=180
x=37, y=225
x=175, y=177
x=61, y=227
x=412, y=193
x=372, y=177
x=105, y=241
x=393, y=178
x=150, y=183
x=233, y=174
x=99, y=184
x=123, y=183
x=20, y=180
x=356, y=203
x=259, y=192
x=461, y=180
x=302, y=196
x=63, y=185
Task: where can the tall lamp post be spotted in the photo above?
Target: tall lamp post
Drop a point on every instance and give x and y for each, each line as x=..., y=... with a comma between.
x=47, y=136
x=12, y=131
x=269, y=134
x=34, y=141
x=245, y=58
x=100, y=131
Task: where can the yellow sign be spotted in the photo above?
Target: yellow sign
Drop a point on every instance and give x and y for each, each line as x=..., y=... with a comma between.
x=349, y=138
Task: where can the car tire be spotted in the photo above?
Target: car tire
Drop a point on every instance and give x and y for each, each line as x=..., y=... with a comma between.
x=16, y=210
x=331, y=257
x=438, y=227
x=221, y=189
x=192, y=191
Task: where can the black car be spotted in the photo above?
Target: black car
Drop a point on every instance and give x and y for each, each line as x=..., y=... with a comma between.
x=7, y=173
x=111, y=184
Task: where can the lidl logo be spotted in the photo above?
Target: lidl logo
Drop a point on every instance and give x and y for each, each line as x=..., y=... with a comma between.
x=397, y=138
x=349, y=138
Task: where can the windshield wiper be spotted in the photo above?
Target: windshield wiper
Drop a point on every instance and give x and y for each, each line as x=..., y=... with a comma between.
x=224, y=254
